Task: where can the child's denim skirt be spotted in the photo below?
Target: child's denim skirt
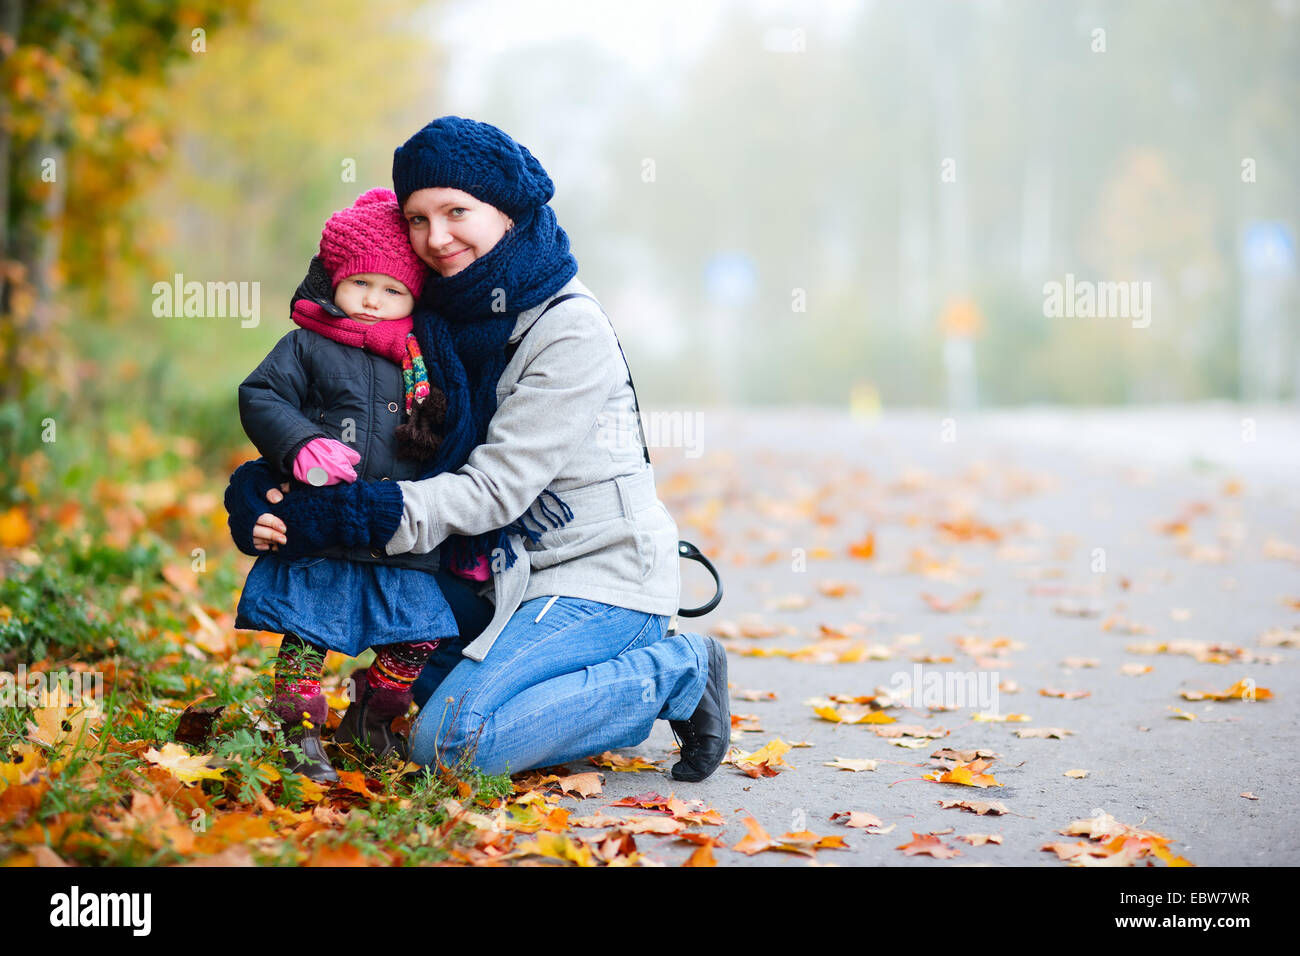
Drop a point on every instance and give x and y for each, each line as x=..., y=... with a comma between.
x=344, y=606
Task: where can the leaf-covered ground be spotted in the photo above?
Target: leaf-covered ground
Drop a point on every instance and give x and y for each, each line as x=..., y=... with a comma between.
x=1007, y=648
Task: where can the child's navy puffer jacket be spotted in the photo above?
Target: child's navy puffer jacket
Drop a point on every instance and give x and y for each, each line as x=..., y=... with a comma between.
x=309, y=387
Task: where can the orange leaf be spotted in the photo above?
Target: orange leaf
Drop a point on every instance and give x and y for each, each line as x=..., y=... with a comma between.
x=355, y=781
x=756, y=840
x=930, y=844
x=968, y=775
x=703, y=856
x=865, y=549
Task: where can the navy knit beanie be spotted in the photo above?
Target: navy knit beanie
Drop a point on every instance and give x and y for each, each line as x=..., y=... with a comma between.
x=474, y=157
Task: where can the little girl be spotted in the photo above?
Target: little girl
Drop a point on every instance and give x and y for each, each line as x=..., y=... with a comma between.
x=327, y=405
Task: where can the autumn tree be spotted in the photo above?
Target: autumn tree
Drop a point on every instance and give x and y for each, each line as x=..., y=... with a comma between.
x=78, y=139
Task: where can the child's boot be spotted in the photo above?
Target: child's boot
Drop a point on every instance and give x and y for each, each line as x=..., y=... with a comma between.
x=302, y=718
x=367, y=721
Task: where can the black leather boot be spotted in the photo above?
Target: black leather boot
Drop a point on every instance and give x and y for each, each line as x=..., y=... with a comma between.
x=314, y=764
x=302, y=718
x=706, y=737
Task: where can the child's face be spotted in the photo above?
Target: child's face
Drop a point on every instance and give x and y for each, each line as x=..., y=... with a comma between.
x=372, y=297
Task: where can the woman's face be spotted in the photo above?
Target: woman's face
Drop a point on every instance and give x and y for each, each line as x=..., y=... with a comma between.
x=449, y=228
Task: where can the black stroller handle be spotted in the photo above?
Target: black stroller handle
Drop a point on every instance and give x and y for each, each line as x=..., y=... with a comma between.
x=692, y=553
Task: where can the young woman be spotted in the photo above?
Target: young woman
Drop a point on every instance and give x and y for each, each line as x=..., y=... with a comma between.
x=539, y=470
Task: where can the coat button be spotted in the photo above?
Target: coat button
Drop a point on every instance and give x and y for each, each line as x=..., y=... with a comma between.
x=392, y=406
x=385, y=478
x=375, y=554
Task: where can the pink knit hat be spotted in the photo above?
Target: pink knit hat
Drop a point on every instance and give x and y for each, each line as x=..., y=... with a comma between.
x=371, y=237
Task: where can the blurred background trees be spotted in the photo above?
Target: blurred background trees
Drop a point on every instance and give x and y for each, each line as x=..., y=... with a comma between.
x=776, y=203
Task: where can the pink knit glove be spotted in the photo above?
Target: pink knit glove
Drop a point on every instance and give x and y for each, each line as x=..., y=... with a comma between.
x=324, y=461
x=478, y=573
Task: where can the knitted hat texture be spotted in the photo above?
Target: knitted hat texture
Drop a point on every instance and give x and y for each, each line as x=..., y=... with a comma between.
x=371, y=236
x=475, y=157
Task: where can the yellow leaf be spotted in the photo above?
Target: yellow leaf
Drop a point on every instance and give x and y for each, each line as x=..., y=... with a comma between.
x=769, y=753
x=177, y=761
x=612, y=761
x=558, y=847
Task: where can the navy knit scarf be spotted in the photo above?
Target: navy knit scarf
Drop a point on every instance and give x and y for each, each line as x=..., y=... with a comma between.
x=462, y=323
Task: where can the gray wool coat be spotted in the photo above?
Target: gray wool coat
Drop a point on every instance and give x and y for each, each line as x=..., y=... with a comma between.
x=565, y=423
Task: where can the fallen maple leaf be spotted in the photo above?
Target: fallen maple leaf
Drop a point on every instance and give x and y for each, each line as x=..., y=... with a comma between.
x=1077, y=774
x=613, y=761
x=804, y=841
x=1067, y=694
x=837, y=589
x=967, y=528
x=865, y=549
x=56, y=725
x=963, y=756
x=756, y=840
x=981, y=807
x=909, y=730
x=863, y=821
x=979, y=839
x=999, y=718
x=846, y=763
x=646, y=824
x=693, y=811
x=195, y=724
x=1044, y=732
x=770, y=753
x=1244, y=689
x=177, y=760
x=967, y=775
x=583, y=784
x=851, y=714
x=355, y=780
x=929, y=843
x=703, y=856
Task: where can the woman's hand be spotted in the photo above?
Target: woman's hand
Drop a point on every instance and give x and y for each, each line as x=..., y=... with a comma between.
x=269, y=532
x=251, y=486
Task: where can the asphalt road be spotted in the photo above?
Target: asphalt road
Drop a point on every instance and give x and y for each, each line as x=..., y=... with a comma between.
x=1086, y=535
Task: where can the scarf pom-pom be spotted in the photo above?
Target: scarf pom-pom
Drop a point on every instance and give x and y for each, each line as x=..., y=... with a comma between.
x=419, y=438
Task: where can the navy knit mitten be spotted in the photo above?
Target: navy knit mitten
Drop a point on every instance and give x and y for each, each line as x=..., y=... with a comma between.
x=363, y=514
x=246, y=499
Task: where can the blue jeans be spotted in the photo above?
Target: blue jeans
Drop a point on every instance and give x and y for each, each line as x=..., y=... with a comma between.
x=586, y=678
